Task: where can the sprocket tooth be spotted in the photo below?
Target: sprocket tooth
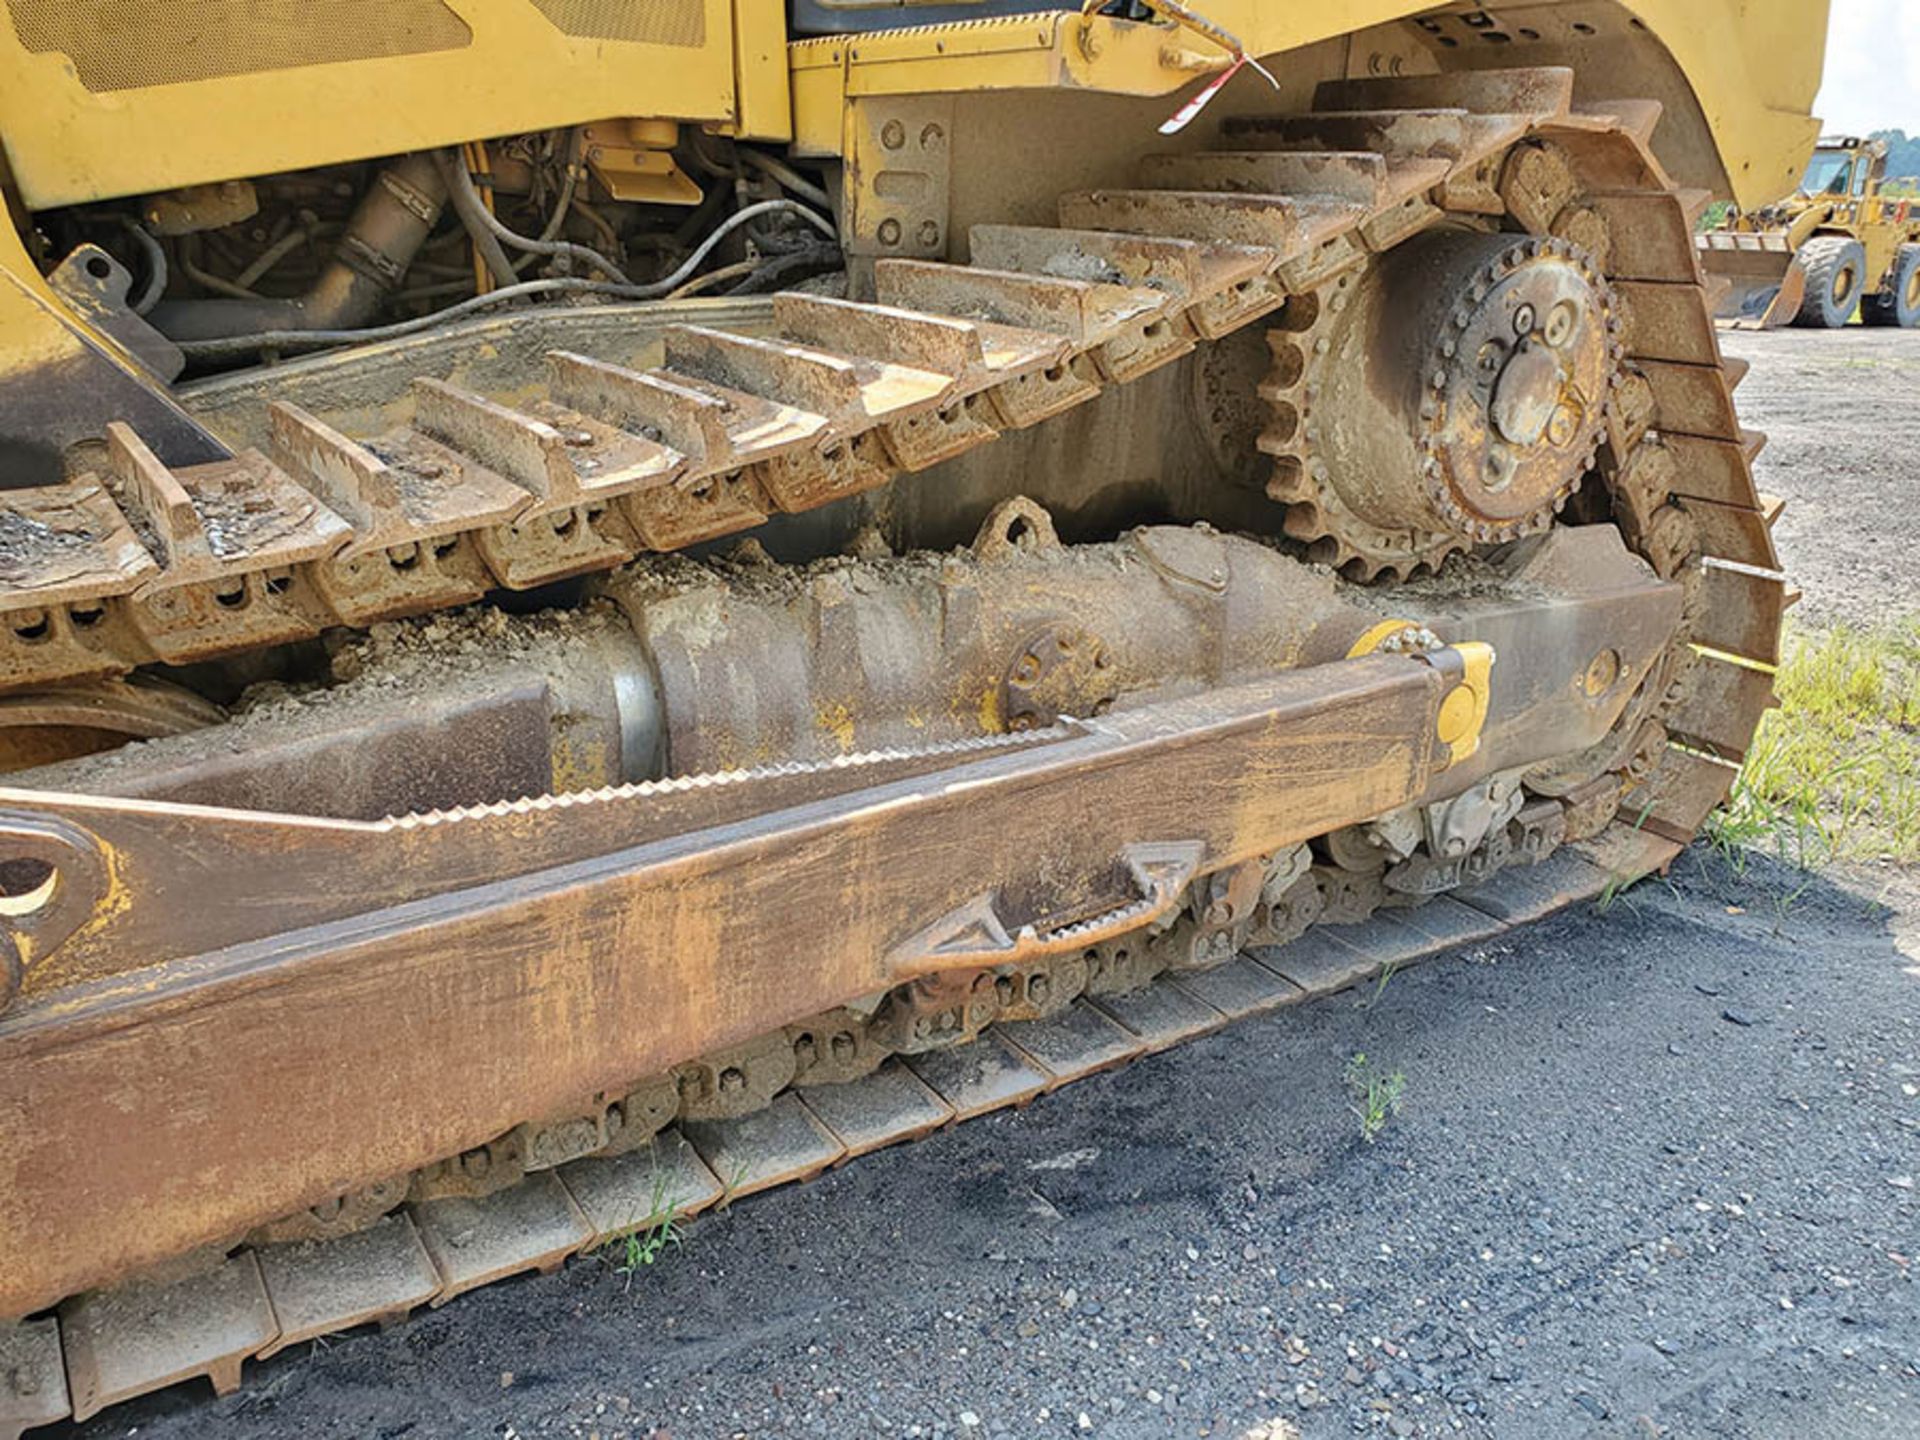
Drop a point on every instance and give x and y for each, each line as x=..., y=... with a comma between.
x=1288, y=483
x=1305, y=522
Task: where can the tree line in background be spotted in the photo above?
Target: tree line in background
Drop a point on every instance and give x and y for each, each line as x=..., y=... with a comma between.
x=1903, y=161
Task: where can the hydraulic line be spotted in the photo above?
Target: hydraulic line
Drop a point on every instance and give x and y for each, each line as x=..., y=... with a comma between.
x=225, y=345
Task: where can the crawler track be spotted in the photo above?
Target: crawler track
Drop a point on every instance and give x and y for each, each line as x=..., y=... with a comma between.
x=261, y=1299
x=330, y=530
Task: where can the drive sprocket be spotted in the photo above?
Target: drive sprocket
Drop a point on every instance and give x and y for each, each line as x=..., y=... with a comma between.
x=1452, y=393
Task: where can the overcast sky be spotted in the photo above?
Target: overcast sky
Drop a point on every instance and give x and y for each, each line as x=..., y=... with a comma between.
x=1873, y=67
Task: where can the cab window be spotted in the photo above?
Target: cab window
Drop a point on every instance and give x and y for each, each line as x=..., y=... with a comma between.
x=1828, y=173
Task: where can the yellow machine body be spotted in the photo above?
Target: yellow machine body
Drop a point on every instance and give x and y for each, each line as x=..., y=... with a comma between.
x=1765, y=255
x=101, y=102
x=104, y=101
x=951, y=572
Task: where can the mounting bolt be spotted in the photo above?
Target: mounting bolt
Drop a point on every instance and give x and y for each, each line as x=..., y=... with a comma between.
x=1564, y=425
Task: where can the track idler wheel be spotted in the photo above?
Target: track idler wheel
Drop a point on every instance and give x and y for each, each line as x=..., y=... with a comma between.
x=1463, y=396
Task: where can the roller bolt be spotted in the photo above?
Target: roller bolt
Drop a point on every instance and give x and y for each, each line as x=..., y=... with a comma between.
x=1561, y=321
x=1564, y=426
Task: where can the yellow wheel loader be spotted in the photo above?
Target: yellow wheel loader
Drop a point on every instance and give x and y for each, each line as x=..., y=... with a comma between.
x=605, y=605
x=1837, y=247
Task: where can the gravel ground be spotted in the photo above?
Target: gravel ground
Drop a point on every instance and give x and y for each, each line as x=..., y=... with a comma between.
x=1841, y=409
x=1654, y=1176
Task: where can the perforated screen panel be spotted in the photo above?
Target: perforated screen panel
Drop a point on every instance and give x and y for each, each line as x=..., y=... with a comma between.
x=127, y=44
x=642, y=22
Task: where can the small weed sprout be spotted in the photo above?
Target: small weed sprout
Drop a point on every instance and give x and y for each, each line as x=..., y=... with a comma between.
x=731, y=1185
x=644, y=1246
x=652, y=1236
x=1376, y=1097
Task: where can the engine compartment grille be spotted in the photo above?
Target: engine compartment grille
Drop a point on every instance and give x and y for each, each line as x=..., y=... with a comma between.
x=131, y=44
x=640, y=22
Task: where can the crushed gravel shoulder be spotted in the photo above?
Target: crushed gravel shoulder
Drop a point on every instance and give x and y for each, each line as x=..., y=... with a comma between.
x=1841, y=411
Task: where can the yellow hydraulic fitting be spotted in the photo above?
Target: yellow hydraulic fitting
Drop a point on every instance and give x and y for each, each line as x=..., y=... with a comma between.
x=1463, y=711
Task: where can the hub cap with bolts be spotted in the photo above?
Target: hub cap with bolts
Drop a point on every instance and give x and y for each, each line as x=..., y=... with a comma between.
x=1474, y=373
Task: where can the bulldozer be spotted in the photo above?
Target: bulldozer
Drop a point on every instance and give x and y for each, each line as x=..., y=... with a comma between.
x=1835, y=248
x=605, y=604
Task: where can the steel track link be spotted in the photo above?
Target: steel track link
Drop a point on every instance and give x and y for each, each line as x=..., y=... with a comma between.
x=1679, y=476
x=139, y=563
x=113, y=1346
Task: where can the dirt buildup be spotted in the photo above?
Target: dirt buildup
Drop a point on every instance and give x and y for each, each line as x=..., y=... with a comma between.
x=31, y=549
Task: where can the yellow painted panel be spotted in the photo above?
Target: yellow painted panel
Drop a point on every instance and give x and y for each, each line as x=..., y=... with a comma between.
x=464, y=68
x=1753, y=65
x=765, y=110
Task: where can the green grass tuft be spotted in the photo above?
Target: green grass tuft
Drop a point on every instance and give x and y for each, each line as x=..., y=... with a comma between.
x=1376, y=1097
x=652, y=1234
x=1834, y=773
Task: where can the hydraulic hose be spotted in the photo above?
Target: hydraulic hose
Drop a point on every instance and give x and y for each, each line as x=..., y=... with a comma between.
x=214, y=347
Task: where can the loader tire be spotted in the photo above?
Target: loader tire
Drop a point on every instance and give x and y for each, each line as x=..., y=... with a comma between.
x=1836, y=270
x=1897, y=304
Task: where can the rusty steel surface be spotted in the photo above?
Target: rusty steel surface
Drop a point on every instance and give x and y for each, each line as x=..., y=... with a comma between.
x=752, y=831
x=525, y=996
x=468, y=493
x=875, y=664
x=1482, y=367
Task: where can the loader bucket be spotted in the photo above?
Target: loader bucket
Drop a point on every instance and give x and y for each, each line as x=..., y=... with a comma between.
x=1758, y=284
